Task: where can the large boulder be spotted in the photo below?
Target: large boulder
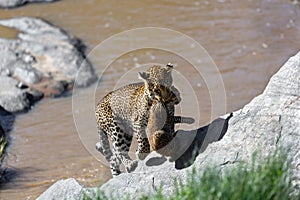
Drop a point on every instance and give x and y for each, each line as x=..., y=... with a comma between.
x=269, y=120
x=68, y=189
x=43, y=58
x=17, y=3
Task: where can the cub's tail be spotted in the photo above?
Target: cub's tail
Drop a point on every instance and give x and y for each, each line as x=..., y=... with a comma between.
x=186, y=120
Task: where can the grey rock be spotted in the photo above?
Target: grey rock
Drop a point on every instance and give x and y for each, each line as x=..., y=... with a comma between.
x=7, y=119
x=269, y=120
x=146, y=179
x=17, y=3
x=50, y=49
x=68, y=189
x=16, y=99
x=26, y=73
x=43, y=57
x=12, y=98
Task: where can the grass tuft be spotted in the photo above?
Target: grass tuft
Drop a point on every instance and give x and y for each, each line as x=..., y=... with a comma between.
x=3, y=143
x=99, y=195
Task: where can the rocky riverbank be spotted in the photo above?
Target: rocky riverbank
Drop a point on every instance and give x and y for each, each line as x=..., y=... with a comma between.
x=269, y=120
x=43, y=61
x=17, y=3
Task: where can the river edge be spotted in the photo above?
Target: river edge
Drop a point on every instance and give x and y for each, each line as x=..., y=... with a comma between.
x=10, y=4
x=28, y=72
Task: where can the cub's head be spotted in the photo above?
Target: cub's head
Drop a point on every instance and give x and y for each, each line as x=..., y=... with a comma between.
x=163, y=143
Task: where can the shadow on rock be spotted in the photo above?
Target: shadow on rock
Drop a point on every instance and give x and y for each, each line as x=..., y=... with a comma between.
x=196, y=141
x=6, y=124
x=154, y=161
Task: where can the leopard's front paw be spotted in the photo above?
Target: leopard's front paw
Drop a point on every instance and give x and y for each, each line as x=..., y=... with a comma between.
x=106, y=153
x=99, y=147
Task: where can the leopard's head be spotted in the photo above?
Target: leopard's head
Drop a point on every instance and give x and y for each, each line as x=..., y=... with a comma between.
x=161, y=74
x=158, y=92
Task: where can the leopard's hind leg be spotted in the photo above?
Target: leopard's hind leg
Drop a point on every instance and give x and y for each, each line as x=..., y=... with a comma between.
x=103, y=145
x=104, y=148
x=121, y=142
x=114, y=164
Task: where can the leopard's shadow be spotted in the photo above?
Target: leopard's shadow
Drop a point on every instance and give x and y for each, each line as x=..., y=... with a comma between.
x=194, y=142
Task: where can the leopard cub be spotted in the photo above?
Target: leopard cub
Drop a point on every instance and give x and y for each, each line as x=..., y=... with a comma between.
x=160, y=128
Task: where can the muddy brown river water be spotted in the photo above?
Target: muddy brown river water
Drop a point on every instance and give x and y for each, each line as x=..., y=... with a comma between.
x=248, y=40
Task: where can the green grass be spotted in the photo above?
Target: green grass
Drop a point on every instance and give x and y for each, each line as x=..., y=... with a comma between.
x=2, y=146
x=3, y=143
x=266, y=179
x=99, y=195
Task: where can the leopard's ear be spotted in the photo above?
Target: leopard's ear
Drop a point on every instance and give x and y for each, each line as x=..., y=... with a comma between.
x=169, y=66
x=144, y=76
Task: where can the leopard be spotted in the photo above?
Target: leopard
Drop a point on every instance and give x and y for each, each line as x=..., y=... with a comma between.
x=124, y=112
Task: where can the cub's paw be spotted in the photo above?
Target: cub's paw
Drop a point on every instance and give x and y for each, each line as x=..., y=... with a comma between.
x=190, y=120
x=132, y=166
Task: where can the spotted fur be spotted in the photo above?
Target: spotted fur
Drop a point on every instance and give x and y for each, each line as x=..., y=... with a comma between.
x=161, y=74
x=124, y=112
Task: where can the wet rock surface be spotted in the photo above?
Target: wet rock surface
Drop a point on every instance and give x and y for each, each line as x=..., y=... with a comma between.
x=271, y=119
x=43, y=60
x=17, y=3
x=14, y=98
